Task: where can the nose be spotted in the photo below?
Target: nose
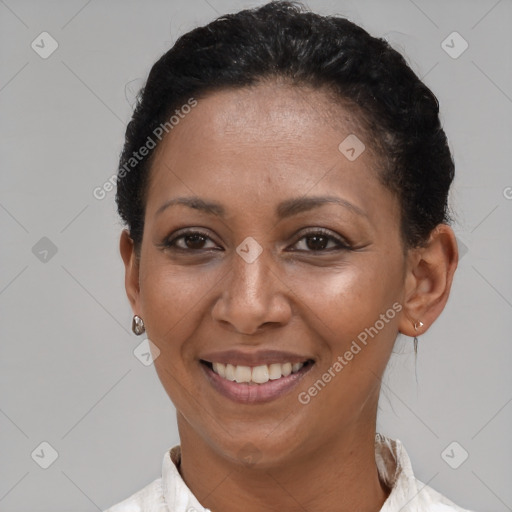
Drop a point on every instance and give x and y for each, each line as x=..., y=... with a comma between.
x=253, y=296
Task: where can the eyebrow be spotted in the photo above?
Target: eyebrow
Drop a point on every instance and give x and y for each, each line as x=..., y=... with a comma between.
x=284, y=209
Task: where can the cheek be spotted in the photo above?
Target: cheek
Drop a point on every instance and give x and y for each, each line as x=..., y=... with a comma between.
x=340, y=303
x=175, y=299
x=353, y=322
x=174, y=305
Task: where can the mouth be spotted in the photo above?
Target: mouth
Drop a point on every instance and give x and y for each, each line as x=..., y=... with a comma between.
x=255, y=384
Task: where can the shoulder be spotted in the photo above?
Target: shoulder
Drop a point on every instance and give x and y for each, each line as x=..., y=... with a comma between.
x=431, y=500
x=148, y=499
x=408, y=494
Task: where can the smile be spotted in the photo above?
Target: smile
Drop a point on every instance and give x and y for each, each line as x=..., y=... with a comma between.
x=257, y=374
x=255, y=384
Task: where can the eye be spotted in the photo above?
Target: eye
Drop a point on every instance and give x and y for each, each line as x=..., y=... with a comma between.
x=190, y=240
x=318, y=240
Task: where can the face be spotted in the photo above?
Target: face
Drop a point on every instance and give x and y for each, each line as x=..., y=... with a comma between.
x=270, y=274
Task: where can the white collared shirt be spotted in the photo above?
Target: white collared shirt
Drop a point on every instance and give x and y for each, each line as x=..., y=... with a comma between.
x=170, y=493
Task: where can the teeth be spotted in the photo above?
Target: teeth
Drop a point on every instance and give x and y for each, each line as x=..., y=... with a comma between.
x=257, y=374
x=220, y=369
x=286, y=369
x=230, y=371
x=260, y=374
x=274, y=371
x=296, y=367
x=243, y=374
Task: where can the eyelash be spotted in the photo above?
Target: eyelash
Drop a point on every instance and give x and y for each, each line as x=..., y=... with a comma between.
x=341, y=245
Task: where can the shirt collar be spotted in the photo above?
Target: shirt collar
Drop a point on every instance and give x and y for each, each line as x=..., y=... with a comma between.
x=395, y=470
x=178, y=497
x=393, y=465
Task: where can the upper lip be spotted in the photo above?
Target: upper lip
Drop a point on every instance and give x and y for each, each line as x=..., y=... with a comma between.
x=255, y=358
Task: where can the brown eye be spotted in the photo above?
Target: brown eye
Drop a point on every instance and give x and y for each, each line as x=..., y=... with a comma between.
x=189, y=241
x=319, y=240
x=194, y=241
x=316, y=242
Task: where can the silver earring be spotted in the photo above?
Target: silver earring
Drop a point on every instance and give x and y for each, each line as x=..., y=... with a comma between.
x=138, y=325
x=417, y=325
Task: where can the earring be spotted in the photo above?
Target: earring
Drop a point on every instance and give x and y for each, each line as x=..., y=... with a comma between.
x=138, y=325
x=417, y=325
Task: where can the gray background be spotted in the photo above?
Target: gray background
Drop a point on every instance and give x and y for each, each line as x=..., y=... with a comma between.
x=68, y=375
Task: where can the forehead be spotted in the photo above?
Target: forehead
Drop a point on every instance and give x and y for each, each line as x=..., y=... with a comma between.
x=268, y=113
x=263, y=144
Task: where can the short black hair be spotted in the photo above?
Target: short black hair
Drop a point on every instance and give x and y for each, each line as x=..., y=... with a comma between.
x=284, y=40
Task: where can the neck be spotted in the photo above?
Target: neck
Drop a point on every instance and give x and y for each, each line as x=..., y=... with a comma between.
x=339, y=476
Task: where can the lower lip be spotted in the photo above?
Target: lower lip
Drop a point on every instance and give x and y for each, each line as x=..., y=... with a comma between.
x=246, y=393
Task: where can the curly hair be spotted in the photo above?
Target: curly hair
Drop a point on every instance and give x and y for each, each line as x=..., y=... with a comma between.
x=283, y=40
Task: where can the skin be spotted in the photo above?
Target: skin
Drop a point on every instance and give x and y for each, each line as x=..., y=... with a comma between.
x=249, y=149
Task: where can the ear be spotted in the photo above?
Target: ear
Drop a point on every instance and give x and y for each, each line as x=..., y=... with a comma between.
x=428, y=280
x=131, y=265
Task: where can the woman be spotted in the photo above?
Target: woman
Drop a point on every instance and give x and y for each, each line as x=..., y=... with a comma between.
x=284, y=184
